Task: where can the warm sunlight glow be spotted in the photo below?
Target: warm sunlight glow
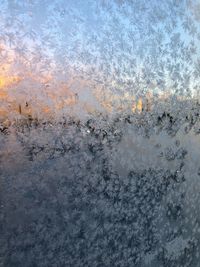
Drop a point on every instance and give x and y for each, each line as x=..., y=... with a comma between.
x=8, y=81
x=139, y=105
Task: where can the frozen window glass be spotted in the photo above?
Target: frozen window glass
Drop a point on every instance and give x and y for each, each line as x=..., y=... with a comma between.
x=100, y=133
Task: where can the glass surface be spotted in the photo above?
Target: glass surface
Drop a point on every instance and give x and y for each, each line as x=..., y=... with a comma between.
x=99, y=133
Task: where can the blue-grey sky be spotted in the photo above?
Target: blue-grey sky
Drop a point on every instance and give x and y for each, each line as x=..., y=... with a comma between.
x=121, y=45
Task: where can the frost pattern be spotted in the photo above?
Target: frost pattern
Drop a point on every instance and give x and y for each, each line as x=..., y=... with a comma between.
x=99, y=133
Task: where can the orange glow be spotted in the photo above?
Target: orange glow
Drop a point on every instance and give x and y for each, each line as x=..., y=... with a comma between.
x=139, y=105
x=127, y=101
x=47, y=95
x=3, y=112
x=8, y=81
x=46, y=109
x=3, y=94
